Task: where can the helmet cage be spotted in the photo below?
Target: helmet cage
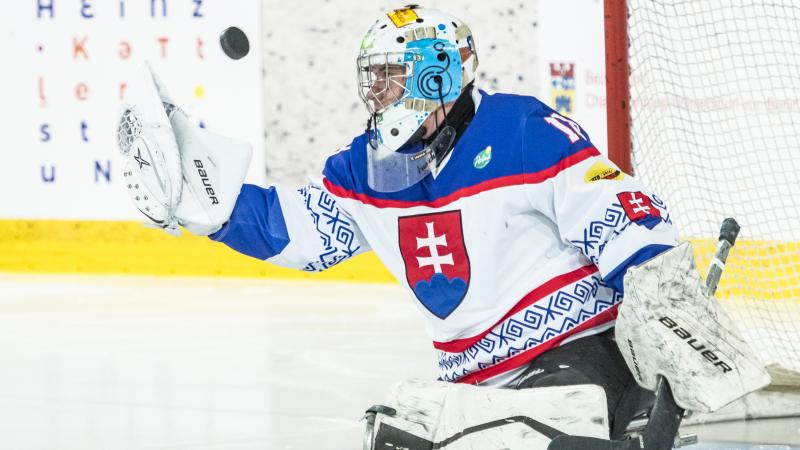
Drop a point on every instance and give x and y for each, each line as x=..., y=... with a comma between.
x=380, y=74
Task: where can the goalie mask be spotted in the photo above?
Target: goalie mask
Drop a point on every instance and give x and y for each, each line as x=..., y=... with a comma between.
x=412, y=62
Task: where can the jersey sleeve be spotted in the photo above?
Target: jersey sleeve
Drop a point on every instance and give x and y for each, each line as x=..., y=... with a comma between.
x=302, y=228
x=609, y=216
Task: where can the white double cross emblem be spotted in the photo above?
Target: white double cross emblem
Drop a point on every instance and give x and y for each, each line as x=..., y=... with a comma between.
x=432, y=241
x=638, y=204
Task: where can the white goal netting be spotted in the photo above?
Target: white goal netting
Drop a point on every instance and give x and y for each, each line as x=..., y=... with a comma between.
x=715, y=131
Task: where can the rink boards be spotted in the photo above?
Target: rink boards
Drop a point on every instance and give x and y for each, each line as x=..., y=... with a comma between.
x=756, y=268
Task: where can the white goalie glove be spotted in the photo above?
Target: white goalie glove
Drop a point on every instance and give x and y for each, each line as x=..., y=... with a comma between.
x=176, y=172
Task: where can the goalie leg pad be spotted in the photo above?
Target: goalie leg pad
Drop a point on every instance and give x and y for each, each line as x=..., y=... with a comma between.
x=424, y=415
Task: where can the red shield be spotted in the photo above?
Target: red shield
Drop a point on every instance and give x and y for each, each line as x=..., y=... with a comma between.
x=639, y=208
x=436, y=260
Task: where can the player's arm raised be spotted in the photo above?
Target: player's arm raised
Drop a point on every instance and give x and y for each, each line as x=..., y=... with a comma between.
x=181, y=174
x=297, y=228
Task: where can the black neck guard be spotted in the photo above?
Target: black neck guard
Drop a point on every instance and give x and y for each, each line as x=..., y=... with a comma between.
x=459, y=117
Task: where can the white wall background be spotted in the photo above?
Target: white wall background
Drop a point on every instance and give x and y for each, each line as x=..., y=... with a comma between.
x=293, y=97
x=63, y=62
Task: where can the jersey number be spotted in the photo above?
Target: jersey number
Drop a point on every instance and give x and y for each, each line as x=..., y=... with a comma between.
x=566, y=126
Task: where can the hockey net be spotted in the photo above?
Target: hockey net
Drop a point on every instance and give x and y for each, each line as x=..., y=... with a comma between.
x=715, y=131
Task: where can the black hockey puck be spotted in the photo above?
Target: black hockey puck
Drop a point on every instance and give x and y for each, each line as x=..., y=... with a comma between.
x=234, y=43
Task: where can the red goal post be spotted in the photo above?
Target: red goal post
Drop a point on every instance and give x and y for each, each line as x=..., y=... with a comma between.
x=617, y=90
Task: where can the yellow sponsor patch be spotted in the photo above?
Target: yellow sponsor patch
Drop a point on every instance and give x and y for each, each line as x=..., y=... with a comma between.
x=601, y=171
x=402, y=17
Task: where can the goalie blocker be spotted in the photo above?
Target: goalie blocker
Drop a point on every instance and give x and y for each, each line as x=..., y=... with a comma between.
x=670, y=331
x=670, y=326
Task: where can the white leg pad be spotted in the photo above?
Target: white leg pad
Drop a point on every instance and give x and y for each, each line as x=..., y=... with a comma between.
x=457, y=415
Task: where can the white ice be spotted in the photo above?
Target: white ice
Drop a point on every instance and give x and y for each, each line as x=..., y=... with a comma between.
x=135, y=363
x=154, y=363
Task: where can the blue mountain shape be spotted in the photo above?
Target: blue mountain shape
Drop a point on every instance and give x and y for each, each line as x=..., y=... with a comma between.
x=441, y=296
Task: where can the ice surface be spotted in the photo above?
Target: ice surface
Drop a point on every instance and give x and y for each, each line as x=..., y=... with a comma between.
x=91, y=363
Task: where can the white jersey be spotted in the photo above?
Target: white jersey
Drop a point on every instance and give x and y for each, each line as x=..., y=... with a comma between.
x=517, y=245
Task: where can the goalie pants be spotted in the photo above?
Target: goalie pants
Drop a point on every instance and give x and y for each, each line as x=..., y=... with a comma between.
x=591, y=360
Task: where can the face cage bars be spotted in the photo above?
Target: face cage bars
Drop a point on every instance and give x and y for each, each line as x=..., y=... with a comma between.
x=375, y=68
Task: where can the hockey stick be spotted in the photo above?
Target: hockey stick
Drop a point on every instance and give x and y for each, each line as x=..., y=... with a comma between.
x=666, y=415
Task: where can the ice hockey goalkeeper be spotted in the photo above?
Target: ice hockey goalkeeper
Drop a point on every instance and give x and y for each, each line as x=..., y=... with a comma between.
x=511, y=232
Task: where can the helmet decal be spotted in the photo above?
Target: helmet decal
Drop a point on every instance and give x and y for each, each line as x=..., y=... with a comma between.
x=403, y=17
x=440, y=78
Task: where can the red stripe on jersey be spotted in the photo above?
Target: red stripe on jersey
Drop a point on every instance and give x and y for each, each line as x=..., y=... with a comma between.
x=510, y=180
x=531, y=354
x=545, y=289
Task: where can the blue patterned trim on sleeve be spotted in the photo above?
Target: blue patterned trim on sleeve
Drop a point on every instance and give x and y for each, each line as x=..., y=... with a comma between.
x=592, y=244
x=614, y=218
x=337, y=233
x=661, y=205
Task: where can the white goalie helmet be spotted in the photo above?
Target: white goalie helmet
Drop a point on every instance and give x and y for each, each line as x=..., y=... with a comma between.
x=412, y=61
